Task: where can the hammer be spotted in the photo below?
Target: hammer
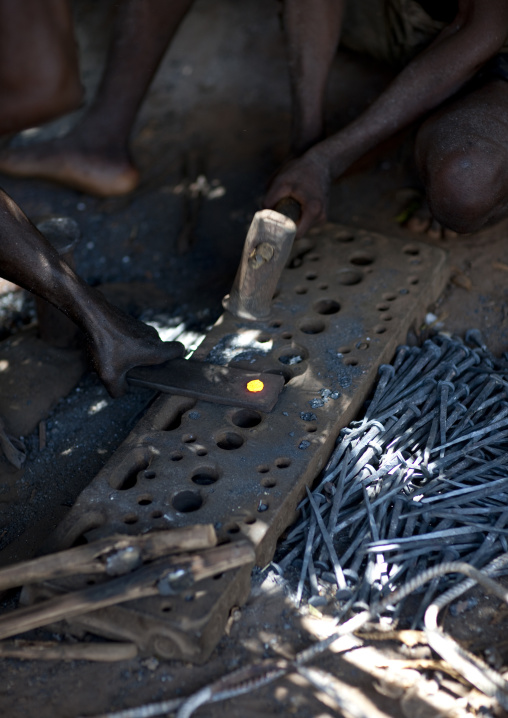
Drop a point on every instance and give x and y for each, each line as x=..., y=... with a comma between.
x=265, y=253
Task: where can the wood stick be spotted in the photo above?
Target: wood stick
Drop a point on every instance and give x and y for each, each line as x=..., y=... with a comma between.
x=51, y=651
x=166, y=576
x=265, y=253
x=104, y=556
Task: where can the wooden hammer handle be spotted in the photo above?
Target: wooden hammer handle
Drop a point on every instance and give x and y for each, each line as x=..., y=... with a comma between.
x=289, y=207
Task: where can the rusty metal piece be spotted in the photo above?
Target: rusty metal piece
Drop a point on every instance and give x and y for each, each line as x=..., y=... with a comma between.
x=52, y=651
x=338, y=315
x=266, y=251
x=55, y=328
x=210, y=382
x=114, y=556
x=165, y=577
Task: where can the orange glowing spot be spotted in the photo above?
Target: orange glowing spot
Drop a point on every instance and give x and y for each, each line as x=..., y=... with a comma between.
x=255, y=385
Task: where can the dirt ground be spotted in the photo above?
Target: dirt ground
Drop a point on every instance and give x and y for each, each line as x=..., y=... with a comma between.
x=220, y=102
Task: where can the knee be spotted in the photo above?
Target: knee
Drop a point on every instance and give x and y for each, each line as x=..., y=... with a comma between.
x=466, y=185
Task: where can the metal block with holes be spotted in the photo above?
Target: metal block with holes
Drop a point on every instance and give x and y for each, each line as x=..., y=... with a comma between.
x=345, y=301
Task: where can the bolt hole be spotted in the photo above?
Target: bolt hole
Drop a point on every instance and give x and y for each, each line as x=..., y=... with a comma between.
x=262, y=506
x=246, y=418
x=349, y=277
x=129, y=479
x=286, y=335
x=379, y=329
x=343, y=350
x=283, y=462
x=188, y=438
x=229, y=441
x=411, y=250
x=175, y=456
x=149, y=474
x=301, y=290
x=166, y=609
x=174, y=422
x=263, y=469
x=187, y=501
x=350, y=362
x=263, y=338
x=250, y=520
x=201, y=452
x=311, y=326
x=343, y=236
x=310, y=428
x=323, y=287
x=311, y=276
x=233, y=529
x=276, y=323
x=413, y=280
x=361, y=259
x=362, y=346
x=218, y=576
x=388, y=297
x=205, y=477
x=387, y=317
x=293, y=356
x=130, y=519
x=327, y=306
x=383, y=307
x=156, y=514
x=145, y=500
x=268, y=483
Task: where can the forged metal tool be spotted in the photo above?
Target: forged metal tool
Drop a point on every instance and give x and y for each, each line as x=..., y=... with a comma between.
x=266, y=251
x=165, y=577
x=211, y=382
x=114, y=556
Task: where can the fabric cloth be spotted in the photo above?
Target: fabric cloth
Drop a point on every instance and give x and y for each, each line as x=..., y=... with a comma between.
x=393, y=31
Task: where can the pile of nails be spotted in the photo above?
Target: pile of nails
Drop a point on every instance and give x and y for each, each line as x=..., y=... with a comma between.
x=420, y=480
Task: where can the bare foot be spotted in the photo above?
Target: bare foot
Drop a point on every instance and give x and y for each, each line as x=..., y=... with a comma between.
x=66, y=161
x=421, y=221
x=118, y=343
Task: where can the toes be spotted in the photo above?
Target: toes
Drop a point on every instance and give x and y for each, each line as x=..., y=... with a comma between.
x=435, y=230
x=418, y=224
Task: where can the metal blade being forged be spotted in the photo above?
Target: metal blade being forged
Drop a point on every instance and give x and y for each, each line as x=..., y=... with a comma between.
x=211, y=382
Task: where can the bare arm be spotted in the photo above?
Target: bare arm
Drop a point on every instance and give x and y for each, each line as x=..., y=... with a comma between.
x=115, y=341
x=475, y=36
x=312, y=31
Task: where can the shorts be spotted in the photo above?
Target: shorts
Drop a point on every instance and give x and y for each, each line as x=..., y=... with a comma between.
x=394, y=31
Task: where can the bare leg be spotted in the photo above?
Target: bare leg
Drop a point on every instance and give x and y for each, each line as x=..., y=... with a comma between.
x=39, y=73
x=312, y=33
x=115, y=341
x=462, y=155
x=94, y=157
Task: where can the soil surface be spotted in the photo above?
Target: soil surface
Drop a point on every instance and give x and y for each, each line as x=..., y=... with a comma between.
x=220, y=103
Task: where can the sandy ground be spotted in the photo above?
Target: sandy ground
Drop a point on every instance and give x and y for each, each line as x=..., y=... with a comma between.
x=221, y=94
